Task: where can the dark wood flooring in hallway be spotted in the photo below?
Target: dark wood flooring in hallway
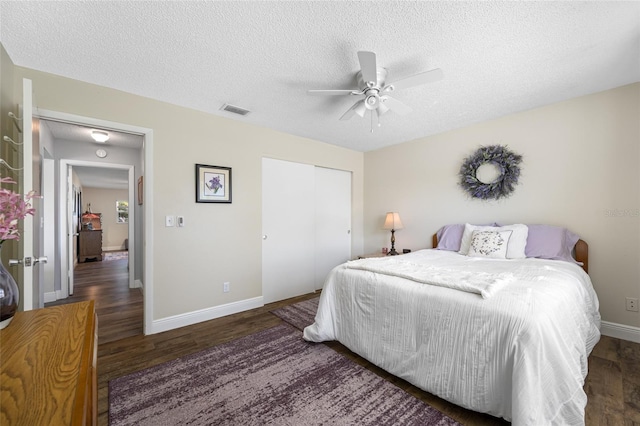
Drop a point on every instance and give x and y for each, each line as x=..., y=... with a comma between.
x=119, y=308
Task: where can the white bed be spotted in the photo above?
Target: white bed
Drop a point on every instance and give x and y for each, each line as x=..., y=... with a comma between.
x=520, y=353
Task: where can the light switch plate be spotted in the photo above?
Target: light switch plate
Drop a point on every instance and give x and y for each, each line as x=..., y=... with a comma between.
x=169, y=221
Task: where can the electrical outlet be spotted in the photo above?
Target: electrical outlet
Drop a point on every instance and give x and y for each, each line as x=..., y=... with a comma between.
x=632, y=304
x=225, y=287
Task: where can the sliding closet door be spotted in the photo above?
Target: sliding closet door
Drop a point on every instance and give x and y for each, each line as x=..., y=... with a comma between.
x=333, y=221
x=288, y=229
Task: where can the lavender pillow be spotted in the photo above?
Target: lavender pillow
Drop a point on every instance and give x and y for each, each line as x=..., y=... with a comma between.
x=450, y=236
x=551, y=242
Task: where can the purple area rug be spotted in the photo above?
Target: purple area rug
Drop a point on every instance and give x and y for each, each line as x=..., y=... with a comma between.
x=299, y=314
x=269, y=378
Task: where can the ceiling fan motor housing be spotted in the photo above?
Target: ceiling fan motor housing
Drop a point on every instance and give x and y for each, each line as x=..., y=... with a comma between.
x=381, y=74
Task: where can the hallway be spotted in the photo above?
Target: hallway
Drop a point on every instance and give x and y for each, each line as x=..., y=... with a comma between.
x=119, y=308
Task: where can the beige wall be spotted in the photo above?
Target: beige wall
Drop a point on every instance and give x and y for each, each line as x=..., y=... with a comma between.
x=580, y=170
x=104, y=201
x=221, y=242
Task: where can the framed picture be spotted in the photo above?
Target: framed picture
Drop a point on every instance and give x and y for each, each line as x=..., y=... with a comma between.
x=213, y=184
x=140, y=187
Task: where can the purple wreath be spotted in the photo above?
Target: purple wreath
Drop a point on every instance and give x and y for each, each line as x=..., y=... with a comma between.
x=508, y=163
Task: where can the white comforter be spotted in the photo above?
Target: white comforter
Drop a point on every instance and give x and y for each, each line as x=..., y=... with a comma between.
x=520, y=354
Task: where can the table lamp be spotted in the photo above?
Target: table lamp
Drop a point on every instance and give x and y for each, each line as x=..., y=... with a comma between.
x=392, y=222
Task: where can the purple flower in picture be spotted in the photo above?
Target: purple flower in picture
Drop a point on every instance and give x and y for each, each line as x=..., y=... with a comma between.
x=214, y=184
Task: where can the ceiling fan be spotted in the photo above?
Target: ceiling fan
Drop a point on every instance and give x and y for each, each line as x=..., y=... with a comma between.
x=372, y=85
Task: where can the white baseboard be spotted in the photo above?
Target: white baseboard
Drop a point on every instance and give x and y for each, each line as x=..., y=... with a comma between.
x=50, y=296
x=620, y=331
x=138, y=284
x=183, y=320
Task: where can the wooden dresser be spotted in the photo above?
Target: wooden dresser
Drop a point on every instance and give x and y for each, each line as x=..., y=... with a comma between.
x=90, y=245
x=48, y=372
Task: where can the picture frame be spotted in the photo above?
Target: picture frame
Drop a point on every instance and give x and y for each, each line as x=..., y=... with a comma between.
x=140, y=190
x=78, y=212
x=74, y=190
x=213, y=184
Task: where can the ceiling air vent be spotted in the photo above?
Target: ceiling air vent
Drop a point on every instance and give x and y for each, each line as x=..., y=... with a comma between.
x=234, y=109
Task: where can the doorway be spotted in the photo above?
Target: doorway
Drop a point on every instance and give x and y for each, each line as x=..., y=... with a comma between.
x=139, y=223
x=72, y=202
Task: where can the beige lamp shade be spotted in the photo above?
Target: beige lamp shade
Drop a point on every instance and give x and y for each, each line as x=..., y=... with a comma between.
x=392, y=221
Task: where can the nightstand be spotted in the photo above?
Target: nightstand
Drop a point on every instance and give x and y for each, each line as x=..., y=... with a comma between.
x=368, y=255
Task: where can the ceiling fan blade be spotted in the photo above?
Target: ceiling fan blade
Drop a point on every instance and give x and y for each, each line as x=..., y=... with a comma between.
x=357, y=108
x=416, y=80
x=395, y=105
x=333, y=92
x=368, y=67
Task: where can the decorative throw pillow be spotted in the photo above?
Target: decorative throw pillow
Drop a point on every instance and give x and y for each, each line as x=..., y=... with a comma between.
x=450, y=236
x=517, y=242
x=492, y=244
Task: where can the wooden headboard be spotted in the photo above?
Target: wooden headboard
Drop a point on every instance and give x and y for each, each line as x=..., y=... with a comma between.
x=581, y=252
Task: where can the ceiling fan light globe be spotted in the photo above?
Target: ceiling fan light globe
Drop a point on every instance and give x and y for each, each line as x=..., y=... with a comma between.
x=382, y=108
x=361, y=109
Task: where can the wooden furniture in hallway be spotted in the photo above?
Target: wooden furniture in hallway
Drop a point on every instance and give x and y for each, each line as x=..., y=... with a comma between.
x=90, y=245
x=49, y=367
x=90, y=238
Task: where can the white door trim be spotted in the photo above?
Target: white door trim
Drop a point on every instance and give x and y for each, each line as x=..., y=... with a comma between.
x=147, y=231
x=64, y=213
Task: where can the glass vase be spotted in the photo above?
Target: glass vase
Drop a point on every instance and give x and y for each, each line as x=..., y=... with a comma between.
x=9, y=295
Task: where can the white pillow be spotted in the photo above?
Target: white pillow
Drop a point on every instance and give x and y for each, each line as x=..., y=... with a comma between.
x=492, y=244
x=517, y=242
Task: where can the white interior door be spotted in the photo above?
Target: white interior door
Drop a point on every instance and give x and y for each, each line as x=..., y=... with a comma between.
x=30, y=249
x=333, y=221
x=49, y=216
x=288, y=218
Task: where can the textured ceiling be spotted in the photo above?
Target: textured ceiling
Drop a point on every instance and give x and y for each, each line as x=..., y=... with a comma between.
x=95, y=177
x=98, y=177
x=82, y=134
x=497, y=57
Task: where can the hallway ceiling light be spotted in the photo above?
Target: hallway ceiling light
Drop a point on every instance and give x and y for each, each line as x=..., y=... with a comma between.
x=99, y=136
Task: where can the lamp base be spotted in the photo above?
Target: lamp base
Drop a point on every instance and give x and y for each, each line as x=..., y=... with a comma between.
x=393, y=251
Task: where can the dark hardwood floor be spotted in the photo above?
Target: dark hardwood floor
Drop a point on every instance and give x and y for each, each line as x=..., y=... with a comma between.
x=119, y=308
x=613, y=383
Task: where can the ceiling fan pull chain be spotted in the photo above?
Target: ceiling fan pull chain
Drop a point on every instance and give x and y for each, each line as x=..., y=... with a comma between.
x=371, y=121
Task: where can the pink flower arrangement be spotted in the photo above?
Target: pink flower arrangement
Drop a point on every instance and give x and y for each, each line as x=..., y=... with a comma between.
x=13, y=208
